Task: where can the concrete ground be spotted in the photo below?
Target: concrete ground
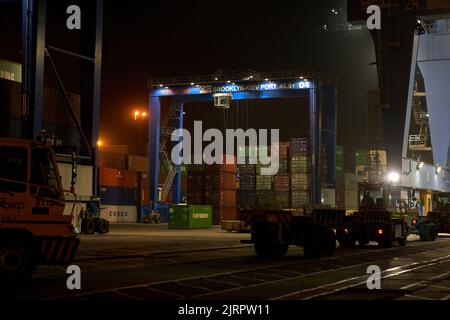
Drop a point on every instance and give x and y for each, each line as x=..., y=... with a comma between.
x=131, y=239
x=150, y=262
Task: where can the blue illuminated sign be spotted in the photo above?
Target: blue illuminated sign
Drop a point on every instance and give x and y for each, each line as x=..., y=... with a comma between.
x=264, y=86
x=234, y=88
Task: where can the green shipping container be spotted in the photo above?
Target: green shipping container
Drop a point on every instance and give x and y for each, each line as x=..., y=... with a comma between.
x=360, y=158
x=190, y=217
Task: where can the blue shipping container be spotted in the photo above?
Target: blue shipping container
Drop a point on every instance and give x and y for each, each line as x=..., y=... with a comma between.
x=118, y=196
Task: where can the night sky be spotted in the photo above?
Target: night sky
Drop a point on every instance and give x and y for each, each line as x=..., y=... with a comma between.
x=145, y=39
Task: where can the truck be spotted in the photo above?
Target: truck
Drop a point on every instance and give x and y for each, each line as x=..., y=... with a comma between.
x=375, y=220
x=314, y=227
x=87, y=218
x=317, y=227
x=440, y=215
x=33, y=228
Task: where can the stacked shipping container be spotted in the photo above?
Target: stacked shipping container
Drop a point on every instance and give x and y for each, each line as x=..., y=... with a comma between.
x=214, y=185
x=300, y=172
x=119, y=194
x=289, y=188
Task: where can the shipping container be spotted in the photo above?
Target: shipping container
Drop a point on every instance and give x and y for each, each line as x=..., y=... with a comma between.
x=220, y=180
x=351, y=200
x=10, y=71
x=300, y=182
x=83, y=185
x=247, y=199
x=119, y=213
x=264, y=182
x=273, y=200
x=225, y=198
x=118, y=196
x=229, y=165
x=253, y=151
x=222, y=213
x=299, y=163
x=196, y=168
x=190, y=217
x=196, y=181
x=298, y=145
x=360, y=158
x=138, y=163
x=112, y=160
x=247, y=181
x=195, y=197
x=328, y=197
x=283, y=165
x=118, y=178
x=282, y=148
x=299, y=198
x=282, y=182
x=247, y=169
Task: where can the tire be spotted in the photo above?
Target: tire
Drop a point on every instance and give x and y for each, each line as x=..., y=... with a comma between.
x=385, y=243
x=101, y=226
x=17, y=260
x=427, y=232
x=320, y=243
x=402, y=242
x=347, y=242
x=88, y=226
x=270, y=250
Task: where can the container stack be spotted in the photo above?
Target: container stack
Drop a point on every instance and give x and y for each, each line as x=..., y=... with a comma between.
x=300, y=172
x=214, y=185
x=118, y=191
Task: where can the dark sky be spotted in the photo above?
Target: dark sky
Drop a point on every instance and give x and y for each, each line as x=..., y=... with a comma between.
x=168, y=38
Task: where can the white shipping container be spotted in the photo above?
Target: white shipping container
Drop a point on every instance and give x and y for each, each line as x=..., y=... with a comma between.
x=83, y=187
x=351, y=200
x=119, y=214
x=328, y=197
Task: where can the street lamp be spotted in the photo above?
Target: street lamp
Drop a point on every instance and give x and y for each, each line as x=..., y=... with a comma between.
x=393, y=177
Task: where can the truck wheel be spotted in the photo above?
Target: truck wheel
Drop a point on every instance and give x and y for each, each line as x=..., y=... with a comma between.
x=320, y=243
x=88, y=226
x=269, y=250
x=101, y=226
x=17, y=261
x=347, y=242
x=402, y=241
x=385, y=243
x=427, y=232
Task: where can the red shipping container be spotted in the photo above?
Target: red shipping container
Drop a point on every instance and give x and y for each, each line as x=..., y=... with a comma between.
x=221, y=198
x=196, y=180
x=282, y=182
x=118, y=178
x=225, y=167
x=220, y=181
x=222, y=213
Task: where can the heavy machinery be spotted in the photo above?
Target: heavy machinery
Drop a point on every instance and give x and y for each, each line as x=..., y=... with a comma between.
x=312, y=227
x=440, y=216
x=374, y=220
x=88, y=208
x=33, y=229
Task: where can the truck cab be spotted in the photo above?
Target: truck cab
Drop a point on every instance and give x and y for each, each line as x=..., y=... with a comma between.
x=33, y=229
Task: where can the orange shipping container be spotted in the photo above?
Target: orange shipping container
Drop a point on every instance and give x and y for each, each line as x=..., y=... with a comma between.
x=118, y=178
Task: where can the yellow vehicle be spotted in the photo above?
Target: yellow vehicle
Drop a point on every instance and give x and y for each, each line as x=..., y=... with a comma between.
x=33, y=229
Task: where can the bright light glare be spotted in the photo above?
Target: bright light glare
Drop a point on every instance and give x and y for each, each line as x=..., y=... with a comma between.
x=393, y=177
